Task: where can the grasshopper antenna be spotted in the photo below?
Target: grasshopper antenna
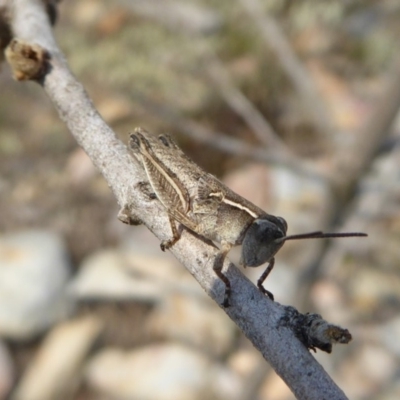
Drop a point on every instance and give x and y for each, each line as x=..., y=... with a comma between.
x=319, y=235
x=277, y=243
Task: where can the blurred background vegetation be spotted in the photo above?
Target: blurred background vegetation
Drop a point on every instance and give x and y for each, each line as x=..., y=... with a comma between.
x=254, y=95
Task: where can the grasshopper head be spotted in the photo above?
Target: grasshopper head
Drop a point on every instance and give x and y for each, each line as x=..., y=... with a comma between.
x=262, y=240
x=267, y=234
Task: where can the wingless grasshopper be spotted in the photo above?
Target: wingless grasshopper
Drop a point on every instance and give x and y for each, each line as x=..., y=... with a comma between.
x=204, y=205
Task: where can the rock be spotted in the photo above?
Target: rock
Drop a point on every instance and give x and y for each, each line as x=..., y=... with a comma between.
x=139, y=240
x=55, y=370
x=104, y=275
x=374, y=367
x=33, y=276
x=195, y=321
x=160, y=372
x=274, y=388
x=7, y=371
x=389, y=334
x=245, y=361
x=164, y=270
x=130, y=275
x=376, y=364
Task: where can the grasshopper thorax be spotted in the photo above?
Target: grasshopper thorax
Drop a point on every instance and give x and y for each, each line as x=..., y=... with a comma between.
x=261, y=240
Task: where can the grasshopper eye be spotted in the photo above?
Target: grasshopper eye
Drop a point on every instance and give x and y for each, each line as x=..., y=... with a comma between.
x=167, y=141
x=283, y=222
x=164, y=141
x=134, y=141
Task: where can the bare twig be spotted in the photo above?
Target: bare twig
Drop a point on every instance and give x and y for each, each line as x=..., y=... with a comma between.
x=312, y=330
x=192, y=18
x=355, y=157
x=226, y=143
x=270, y=326
x=275, y=147
x=351, y=165
x=242, y=105
x=300, y=78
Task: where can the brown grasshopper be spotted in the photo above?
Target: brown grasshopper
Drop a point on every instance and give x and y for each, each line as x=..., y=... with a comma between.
x=204, y=205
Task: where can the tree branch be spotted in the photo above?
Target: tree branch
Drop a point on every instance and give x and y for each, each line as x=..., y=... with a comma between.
x=240, y=103
x=366, y=143
x=225, y=143
x=273, y=329
x=300, y=78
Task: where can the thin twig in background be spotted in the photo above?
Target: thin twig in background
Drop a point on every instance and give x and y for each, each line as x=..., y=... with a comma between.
x=353, y=159
x=232, y=95
x=179, y=15
x=355, y=156
x=226, y=143
x=267, y=324
x=350, y=161
x=300, y=78
x=351, y=165
x=276, y=152
x=242, y=105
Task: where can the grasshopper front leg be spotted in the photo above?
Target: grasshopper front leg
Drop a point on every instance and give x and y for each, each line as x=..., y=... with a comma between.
x=128, y=217
x=127, y=214
x=263, y=277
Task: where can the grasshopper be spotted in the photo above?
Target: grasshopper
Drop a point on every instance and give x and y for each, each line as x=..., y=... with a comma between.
x=204, y=205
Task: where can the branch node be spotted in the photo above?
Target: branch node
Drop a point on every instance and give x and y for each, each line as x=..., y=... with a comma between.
x=28, y=61
x=313, y=331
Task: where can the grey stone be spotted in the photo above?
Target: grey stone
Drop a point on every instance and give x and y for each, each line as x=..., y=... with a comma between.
x=161, y=372
x=34, y=270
